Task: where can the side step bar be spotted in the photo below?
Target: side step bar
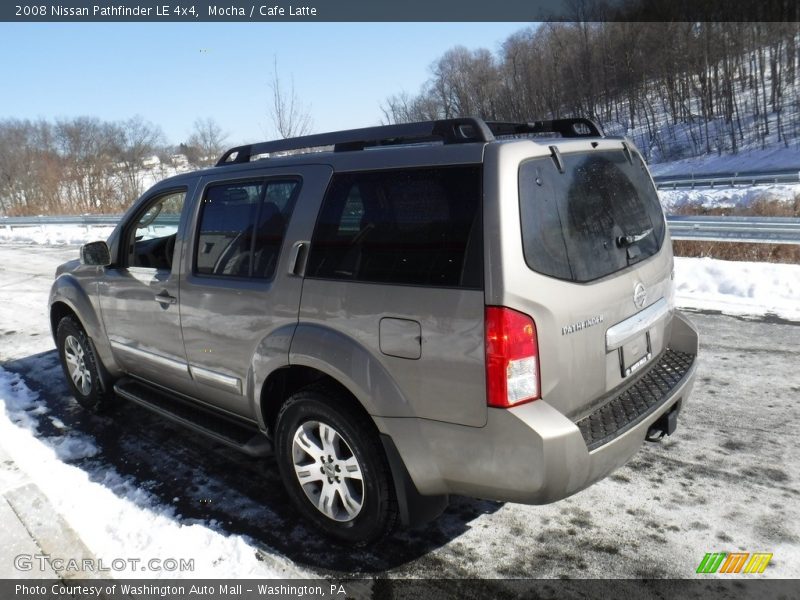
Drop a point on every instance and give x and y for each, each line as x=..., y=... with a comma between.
x=222, y=428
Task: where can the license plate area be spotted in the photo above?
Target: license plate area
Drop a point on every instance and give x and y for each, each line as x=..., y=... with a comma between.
x=635, y=353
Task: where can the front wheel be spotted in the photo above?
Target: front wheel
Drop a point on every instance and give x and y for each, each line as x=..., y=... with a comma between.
x=334, y=467
x=81, y=366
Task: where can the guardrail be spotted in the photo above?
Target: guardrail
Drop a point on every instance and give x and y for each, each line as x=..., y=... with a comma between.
x=767, y=230
x=84, y=220
x=760, y=230
x=731, y=179
x=11, y=222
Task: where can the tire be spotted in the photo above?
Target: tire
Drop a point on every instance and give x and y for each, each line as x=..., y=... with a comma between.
x=81, y=366
x=347, y=488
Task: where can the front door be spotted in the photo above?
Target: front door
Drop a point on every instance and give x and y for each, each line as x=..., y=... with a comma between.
x=139, y=295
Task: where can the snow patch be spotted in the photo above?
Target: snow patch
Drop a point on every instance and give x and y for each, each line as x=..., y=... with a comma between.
x=21, y=404
x=73, y=447
x=115, y=517
x=777, y=157
x=54, y=235
x=726, y=196
x=738, y=288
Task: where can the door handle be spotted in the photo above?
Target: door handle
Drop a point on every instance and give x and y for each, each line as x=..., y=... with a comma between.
x=164, y=298
x=297, y=258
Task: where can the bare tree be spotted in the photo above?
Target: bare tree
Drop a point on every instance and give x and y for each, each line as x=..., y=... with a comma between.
x=206, y=143
x=86, y=147
x=136, y=141
x=679, y=89
x=289, y=116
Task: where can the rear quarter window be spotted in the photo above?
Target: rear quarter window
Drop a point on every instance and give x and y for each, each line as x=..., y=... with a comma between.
x=405, y=226
x=600, y=216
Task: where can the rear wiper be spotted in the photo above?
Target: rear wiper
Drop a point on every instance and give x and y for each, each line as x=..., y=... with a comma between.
x=624, y=241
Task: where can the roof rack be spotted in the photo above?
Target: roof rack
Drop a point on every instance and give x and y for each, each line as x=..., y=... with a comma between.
x=572, y=127
x=447, y=131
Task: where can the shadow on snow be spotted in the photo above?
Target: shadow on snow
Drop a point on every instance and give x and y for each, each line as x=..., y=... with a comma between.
x=203, y=481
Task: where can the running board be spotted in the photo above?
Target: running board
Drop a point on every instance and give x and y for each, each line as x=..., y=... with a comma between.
x=220, y=427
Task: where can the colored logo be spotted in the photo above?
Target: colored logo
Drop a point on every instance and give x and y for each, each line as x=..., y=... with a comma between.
x=734, y=562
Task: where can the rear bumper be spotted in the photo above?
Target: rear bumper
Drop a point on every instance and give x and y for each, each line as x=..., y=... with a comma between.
x=533, y=454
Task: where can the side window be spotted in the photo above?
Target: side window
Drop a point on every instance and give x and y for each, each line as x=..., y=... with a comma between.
x=410, y=226
x=242, y=226
x=152, y=241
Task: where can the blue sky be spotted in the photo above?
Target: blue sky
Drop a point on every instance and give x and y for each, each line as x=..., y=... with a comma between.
x=173, y=73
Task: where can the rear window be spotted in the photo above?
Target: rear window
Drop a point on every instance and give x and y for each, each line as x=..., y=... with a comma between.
x=600, y=216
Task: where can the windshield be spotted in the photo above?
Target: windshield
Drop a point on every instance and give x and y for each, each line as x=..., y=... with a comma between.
x=600, y=216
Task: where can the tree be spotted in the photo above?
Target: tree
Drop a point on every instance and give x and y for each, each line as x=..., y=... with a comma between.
x=289, y=117
x=86, y=148
x=206, y=143
x=677, y=89
x=136, y=140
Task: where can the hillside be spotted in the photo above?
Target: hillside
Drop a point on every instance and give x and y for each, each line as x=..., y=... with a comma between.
x=680, y=91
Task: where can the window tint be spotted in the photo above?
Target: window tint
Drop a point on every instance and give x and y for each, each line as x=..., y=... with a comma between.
x=573, y=222
x=414, y=226
x=242, y=226
x=152, y=240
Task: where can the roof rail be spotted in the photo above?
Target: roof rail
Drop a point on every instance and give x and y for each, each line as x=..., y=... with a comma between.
x=447, y=131
x=572, y=127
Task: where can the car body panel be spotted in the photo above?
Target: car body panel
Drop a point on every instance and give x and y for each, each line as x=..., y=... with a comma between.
x=530, y=454
x=571, y=318
x=446, y=383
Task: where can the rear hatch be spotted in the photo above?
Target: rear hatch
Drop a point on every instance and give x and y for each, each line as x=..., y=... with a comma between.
x=585, y=253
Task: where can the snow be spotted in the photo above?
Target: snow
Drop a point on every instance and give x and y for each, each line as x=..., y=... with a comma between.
x=115, y=517
x=71, y=448
x=738, y=288
x=774, y=158
x=725, y=196
x=54, y=235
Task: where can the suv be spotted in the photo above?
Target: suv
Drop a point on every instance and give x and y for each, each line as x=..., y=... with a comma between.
x=405, y=312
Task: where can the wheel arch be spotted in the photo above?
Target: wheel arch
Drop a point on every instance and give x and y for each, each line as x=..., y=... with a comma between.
x=69, y=299
x=324, y=356
x=344, y=359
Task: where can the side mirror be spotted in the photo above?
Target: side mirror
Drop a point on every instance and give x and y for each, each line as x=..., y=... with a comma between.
x=96, y=253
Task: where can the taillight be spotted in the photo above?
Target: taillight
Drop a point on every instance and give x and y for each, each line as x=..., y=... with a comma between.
x=512, y=358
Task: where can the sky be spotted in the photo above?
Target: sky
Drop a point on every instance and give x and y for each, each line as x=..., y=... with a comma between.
x=173, y=73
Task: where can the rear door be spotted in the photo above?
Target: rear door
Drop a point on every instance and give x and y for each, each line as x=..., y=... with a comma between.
x=396, y=266
x=239, y=303
x=592, y=267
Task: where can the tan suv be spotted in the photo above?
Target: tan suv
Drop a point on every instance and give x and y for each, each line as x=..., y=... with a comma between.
x=403, y=313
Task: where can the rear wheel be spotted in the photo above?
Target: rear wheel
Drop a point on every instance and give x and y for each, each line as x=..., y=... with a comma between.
x=334, y=467
x=81, y=366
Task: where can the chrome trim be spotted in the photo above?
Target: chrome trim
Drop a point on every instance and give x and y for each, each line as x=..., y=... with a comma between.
x=624, y=331
x=151, y=356
x=213, y=378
